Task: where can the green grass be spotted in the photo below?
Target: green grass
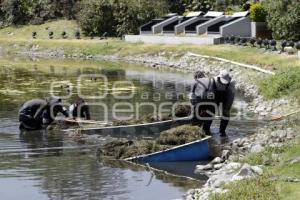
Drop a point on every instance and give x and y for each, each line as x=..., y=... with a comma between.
x=265, y=187
x=260, y=188
x=25, y=32
x=286, y=82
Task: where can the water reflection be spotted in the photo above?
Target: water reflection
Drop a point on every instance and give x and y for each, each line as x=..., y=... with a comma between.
x=41, y=143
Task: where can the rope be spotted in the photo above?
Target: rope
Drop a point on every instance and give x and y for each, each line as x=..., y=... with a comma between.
x=233, y=62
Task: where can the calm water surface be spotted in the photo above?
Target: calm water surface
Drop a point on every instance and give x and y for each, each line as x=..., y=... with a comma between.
x=48, y=165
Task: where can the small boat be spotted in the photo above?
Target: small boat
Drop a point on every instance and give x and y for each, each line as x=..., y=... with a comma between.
x=193, y=151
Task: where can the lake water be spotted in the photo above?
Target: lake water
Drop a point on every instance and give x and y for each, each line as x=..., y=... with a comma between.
x=49, y=165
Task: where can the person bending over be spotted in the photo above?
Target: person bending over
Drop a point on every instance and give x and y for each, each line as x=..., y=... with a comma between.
x=37, y=113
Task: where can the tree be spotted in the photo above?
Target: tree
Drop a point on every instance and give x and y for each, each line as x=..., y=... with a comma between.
x=130, y=14
x=283, y=18
x=14, y=12
x=97, y=17
x=35, y=11
x=181, y=6
x=117, y=17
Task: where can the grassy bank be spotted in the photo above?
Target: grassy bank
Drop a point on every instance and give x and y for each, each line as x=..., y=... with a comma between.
x=277, y=181
x=25, y=32
x=284, y=83
x=20, y=38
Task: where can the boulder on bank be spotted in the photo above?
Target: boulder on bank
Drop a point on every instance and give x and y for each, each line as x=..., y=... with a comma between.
x=122, y=149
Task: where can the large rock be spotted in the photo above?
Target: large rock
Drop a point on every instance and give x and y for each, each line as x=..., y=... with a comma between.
x=294, y=160
x=278, y=134
x=256, y=148
x=289, y=133
x=289, y=50
x=225, y=154
x=218, y=166
x=257, y=170
x=217, y=160
x=200, y=169
x=263, y=138
x=245, y=172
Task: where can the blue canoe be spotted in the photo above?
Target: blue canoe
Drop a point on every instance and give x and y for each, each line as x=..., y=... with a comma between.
x=194, y=151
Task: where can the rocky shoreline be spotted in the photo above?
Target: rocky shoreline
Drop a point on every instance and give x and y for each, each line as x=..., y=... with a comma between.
x=230, y=166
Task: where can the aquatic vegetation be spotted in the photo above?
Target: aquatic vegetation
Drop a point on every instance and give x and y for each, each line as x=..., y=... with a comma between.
x=180, y=111
x=121, y=149
x=11, y=92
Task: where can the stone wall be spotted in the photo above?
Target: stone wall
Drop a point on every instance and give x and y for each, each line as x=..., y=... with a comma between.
x=159, y=39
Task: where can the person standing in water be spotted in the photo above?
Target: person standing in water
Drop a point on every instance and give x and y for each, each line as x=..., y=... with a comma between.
x=209, y=94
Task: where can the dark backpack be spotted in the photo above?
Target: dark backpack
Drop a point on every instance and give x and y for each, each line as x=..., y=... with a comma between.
x=209, y=92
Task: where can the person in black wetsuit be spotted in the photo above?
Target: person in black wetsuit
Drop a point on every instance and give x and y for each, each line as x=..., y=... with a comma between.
x=37, y=113
x=80, y=106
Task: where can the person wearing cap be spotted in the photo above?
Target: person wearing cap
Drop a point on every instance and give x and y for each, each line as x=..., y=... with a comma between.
x=80, y=106
x=210, y=94
x=225, y=94
x=37, y=113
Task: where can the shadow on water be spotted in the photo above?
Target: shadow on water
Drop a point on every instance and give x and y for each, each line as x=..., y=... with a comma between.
x=41, y=143
x=166, y=172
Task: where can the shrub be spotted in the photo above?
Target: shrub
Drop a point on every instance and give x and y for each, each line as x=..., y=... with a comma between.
x=77, y=35
x=273, y=44
x=259, y=42
x=290, y=44
x=119, y=17
x=232, y=39
x=252, y=41
x=50, y=34
x=266, y=43
x=258, y=12
x=298, y=45
x=34, y=34
x=232, y=9
x=283, y=44
x=64, y=34
x=237, y=40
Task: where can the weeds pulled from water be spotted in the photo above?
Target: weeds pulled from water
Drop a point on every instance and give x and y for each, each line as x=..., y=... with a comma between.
x=180, y=111
x=145, y=119
x=121, y=149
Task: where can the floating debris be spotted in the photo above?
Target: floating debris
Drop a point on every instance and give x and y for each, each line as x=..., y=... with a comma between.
x=77, y=136
x=180, y=111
